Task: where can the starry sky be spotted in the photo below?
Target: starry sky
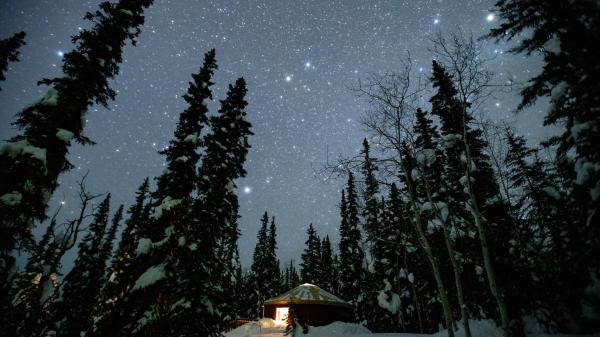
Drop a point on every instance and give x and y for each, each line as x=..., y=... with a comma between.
x=299, y=58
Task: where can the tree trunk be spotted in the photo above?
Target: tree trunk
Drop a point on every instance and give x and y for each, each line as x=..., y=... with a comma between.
x=479, y=222
x=415, y=296
x=432, y=260
x=455, y=267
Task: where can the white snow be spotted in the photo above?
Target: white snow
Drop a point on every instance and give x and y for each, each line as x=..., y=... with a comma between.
x=426, y=157
x=23, y=146
x=126, y=11
x=191, y=139
x=11, y=199
x=414, y=174
x=387, y=300
x=451, y=139
x=144, y=246
x=150, y=276
x=165, y=205
x=585, y=169
x=51, y=97
x=64, y=135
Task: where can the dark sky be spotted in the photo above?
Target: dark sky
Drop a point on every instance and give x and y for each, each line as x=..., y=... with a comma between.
x=299, y=57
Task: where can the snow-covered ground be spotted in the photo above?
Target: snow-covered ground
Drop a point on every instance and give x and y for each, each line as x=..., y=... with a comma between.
x=267, y=327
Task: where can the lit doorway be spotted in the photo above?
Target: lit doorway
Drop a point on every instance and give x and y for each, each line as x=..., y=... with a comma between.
x=281, y=314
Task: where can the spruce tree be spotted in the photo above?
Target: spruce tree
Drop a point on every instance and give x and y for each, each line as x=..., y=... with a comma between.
x=261, y=265
x=34, y=292
x=310, y=271
x=413, y=273
x=31, y=162
x=111, y=233
x=480, y=194
x=326, y=266
x=546, y=237
x=273, y=262
x=351, y=254
x=379, y=292
x=110, y=310
x=214, y=218
x=82, y=283
x=9, y=52
x=167, y=251
x=565, y=35
x=433, y=188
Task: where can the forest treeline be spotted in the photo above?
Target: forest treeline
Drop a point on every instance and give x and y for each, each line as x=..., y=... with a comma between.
x=443, y=218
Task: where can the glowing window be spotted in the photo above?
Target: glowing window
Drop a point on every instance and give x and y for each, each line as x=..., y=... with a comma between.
x=281, y=314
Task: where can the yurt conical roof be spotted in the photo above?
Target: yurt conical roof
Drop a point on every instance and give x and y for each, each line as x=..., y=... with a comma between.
x=307, y=294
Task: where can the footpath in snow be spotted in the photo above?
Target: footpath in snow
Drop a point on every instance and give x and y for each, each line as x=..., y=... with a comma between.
x=267, y=327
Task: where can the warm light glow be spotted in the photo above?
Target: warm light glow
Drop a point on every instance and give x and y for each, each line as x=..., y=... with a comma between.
x=281, y=314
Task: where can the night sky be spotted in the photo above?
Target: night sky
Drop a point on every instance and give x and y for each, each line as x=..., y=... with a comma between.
x=299, y=58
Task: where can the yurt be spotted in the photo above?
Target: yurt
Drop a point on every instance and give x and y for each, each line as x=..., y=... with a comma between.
x=313, y=305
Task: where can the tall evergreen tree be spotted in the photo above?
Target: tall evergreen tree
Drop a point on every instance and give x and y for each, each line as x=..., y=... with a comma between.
x=310, y=271
x=214, y=218
x=351, y=254
x=32, y=305
x=433, y=188
x=9, y=52
x=546, y=237
x=565, y=34
x=32, y=161
x=274, y=274
x=111, y=233
x=480, y=194
x=327, y=267
x=110, y=310
x=261, y=266
x=292, y=277
x=84, y=280
x=167, y=252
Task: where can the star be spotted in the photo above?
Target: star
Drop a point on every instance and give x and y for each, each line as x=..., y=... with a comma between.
x=247, y=190
x=490, y=17
x=60, y=53
x=288, y=78
x=436, y=21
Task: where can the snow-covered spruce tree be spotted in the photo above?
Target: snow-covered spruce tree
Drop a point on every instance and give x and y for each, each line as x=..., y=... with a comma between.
x=292, y=279
x=418, y=221
x=110, y=311
x=380, y=296
x=274, y=273
x=106, y=249
x=34, y=289
x=310, y=269
x=164, y=257
x=31, y=162
x=81, y=284
x=351, y=253
x=433, y=188
x=9, y=52
x=197, y=310
x=412, y=271
x=565, y=35
x=261, y=267
x=481, y=195
x=326, y=266
x=335, y=274
x=546, y=237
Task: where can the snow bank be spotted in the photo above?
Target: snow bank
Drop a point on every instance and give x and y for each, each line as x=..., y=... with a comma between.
x=336, y=329
x=262, y=327
x=478, y=328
